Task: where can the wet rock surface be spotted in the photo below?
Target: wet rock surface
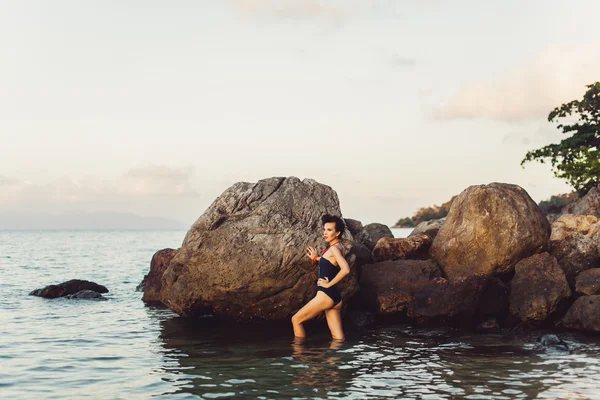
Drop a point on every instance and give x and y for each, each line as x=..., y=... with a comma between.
x=444, y=300
x=86, y=295
x=584, y=314
x=67, y=288
x=538, y=287
x=152, y=282
x=588, y=282
x=389, y=287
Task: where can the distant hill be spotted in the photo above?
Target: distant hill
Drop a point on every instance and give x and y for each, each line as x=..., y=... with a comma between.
x=23, y=220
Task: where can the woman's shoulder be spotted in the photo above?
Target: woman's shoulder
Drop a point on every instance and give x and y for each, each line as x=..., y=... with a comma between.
x=338, y=247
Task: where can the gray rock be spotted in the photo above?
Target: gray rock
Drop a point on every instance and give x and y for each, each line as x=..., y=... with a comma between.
x=375, y=232
x=360, y=319
x=552, y=341
x=244, y=258
x=66, y=288
x=575, y=254
x=86, y=295
x=587, y=205
x=429, y=228
x=361, y=242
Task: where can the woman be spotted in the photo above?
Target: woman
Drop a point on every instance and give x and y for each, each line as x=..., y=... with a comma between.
x=333, y=267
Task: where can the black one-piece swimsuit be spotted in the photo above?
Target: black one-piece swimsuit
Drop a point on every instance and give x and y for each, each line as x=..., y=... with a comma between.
x=327, y=269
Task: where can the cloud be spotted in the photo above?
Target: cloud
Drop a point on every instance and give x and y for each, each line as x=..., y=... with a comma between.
x=557, y=75
x=148, y=190
x=157, y=180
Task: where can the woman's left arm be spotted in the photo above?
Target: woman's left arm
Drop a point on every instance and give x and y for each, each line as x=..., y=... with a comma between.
x=342, y=263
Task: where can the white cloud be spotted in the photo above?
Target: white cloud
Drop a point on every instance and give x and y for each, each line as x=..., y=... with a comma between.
x=557, y=75
x=149, y=190
x=157, y=180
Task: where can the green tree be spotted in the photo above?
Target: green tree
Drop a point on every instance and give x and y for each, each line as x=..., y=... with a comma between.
x=575, y=159
x=405, y=223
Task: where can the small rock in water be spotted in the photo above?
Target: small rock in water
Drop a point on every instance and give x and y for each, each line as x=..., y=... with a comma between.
x=553, y=341
x=86, y=295
x=361, y=319
x=66, y=288
x=488, y=325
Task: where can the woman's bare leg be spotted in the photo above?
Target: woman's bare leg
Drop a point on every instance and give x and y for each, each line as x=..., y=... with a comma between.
x=334, y=321
x=317, y=305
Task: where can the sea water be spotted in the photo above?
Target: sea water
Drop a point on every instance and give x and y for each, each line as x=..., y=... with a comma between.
x=123, y=349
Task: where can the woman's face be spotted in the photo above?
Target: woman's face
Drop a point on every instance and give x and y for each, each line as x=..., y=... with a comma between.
x=329, y=232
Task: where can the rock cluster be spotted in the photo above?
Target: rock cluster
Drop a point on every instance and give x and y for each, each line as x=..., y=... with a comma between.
x=494, y=261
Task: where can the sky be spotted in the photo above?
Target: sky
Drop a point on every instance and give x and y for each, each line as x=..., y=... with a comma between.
x=156, y=107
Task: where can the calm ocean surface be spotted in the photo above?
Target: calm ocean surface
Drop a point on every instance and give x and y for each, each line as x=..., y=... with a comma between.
x=122, y=349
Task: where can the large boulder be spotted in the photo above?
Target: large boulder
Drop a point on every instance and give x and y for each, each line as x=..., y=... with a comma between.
x=68, y=288
x=430, y=228
x=587, y=205
x=488, y=229
x=152, y=282
x=244, y=258
x=538, y=288
x=584, y=314
x=588, y=282
x=575, y=254
x=412, y=247
x=388, y=287
x=376, y=231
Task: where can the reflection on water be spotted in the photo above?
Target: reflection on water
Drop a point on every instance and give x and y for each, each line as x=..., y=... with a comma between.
x=211, y=360
x=318, y=367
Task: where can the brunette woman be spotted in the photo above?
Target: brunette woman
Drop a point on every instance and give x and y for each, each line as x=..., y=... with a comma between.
x=333, y=267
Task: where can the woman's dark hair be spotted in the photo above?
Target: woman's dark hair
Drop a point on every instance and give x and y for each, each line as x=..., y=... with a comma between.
x=340, y=226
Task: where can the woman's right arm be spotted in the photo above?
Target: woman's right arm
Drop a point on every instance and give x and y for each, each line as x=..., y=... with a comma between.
x=312, y=254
